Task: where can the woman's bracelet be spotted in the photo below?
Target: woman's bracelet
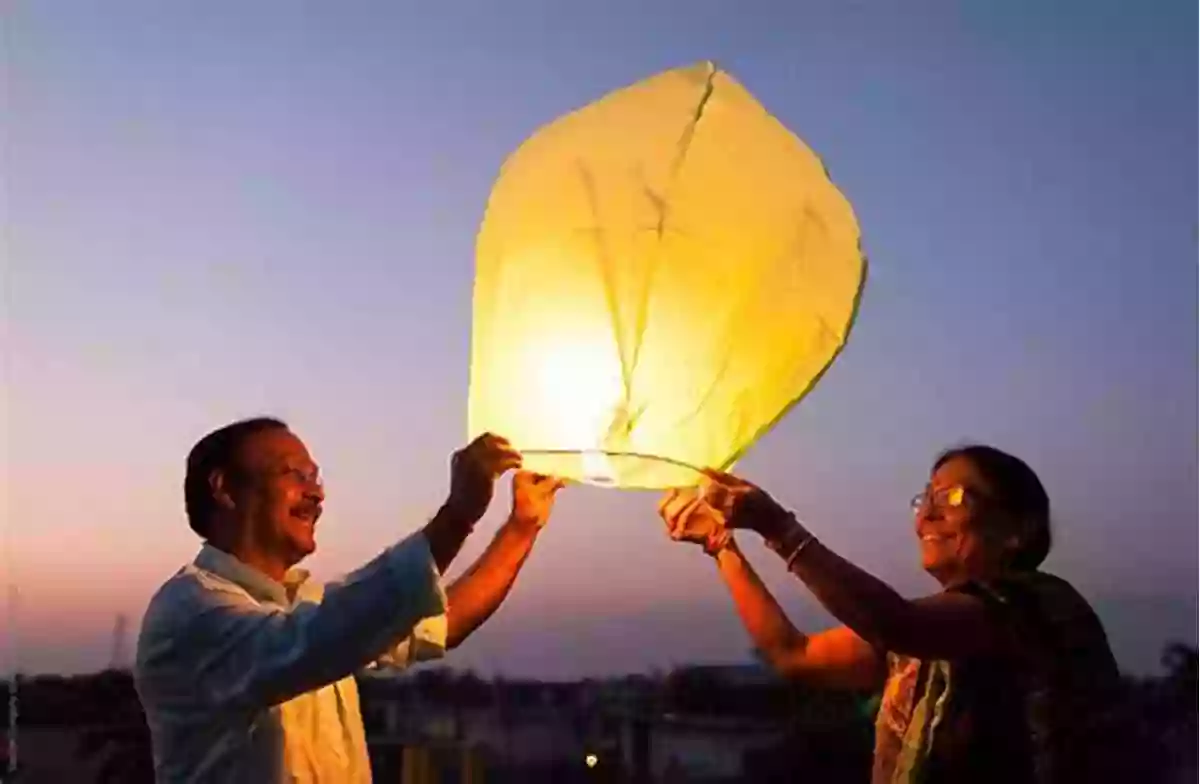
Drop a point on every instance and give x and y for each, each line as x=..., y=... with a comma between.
x=793, y=543
x=799, y=548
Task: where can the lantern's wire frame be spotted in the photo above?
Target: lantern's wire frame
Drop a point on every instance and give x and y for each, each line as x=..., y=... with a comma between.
x=605, y=453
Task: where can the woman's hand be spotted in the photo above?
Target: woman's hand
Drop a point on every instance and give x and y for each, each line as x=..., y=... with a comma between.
x=742, y=504
x=690, y=519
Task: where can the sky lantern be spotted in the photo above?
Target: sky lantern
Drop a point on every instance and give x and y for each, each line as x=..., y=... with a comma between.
x=660, y=276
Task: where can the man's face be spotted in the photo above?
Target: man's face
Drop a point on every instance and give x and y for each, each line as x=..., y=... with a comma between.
x=277, y=495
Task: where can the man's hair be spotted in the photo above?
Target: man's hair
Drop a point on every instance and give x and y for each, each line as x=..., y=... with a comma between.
x=1016, y=489
x=216, y=451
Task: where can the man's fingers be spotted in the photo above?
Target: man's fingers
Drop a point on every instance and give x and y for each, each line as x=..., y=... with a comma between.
x=492, y=445
x=505, y=462
x=506, y=452
x=490, y=441
x=494, y=454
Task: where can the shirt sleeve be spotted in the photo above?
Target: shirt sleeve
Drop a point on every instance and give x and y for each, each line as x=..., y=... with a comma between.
x=426, y=643
x=240, y=654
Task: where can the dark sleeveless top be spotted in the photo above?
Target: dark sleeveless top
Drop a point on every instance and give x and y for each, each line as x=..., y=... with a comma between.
x=1052, y=713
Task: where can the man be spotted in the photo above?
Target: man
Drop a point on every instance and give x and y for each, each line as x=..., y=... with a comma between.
x=245, y=669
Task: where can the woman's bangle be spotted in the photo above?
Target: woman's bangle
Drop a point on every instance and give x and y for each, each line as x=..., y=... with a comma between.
x=791, y=544
x=790, y=537
x=791, y=559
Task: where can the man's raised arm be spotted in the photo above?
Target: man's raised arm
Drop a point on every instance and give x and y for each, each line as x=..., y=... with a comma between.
x=236, y=653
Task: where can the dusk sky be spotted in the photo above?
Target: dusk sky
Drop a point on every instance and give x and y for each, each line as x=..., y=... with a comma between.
x=215, y=210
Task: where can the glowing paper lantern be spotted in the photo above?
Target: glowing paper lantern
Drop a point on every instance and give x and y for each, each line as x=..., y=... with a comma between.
x=660, y=276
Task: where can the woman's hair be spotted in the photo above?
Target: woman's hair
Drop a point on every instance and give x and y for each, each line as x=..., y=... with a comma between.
x=1017, y=490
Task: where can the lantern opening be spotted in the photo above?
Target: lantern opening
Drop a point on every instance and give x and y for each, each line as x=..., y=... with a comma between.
x=602, y=468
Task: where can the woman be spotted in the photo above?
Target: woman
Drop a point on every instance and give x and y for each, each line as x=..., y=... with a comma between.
x=1003, y=675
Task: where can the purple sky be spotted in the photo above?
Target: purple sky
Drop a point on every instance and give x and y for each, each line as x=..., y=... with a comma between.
x=217, y=210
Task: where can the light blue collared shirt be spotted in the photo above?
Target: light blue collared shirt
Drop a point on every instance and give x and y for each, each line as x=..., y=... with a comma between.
x=244, y=679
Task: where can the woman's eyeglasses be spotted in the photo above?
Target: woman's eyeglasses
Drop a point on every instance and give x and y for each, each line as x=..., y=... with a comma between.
x=946, y=498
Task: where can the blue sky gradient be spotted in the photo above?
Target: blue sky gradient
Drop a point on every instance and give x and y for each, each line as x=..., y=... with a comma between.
x=213, y=210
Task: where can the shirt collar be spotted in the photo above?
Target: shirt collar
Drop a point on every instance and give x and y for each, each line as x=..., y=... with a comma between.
x=257, y=584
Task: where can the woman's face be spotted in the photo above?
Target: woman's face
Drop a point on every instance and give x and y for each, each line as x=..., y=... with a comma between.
x=956, y=524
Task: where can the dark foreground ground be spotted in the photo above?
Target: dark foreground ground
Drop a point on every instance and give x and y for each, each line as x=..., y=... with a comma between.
x=697, y=724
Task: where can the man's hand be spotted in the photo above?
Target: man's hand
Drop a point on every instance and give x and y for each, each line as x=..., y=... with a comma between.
x=533, y=499
x=690, y=518
x=475, y=595
x=744, y=505
x=473, y=474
